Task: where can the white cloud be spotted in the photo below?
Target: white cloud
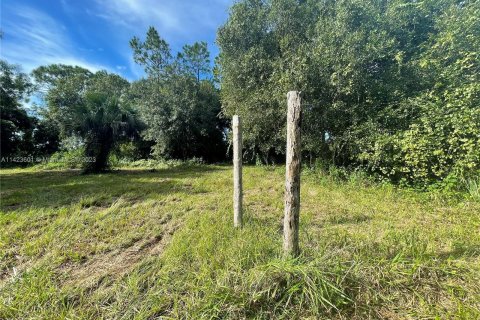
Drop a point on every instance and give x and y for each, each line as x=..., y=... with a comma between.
x=179, y=22
x=132, y=14
x=170, y=17
x=32, y=38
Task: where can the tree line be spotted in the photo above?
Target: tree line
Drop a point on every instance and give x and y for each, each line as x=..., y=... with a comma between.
x=173, y=112
x=391, y=87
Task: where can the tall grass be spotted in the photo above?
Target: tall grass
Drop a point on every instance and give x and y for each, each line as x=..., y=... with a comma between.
x=160, y=244
x=473, y=188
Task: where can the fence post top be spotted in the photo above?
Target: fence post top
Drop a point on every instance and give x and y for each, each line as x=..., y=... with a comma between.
x=236, y=120
x=293, y=92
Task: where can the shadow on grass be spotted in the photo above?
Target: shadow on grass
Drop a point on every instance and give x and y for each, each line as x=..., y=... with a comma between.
x=348, y=219
x=54, y=189
x=460, y=252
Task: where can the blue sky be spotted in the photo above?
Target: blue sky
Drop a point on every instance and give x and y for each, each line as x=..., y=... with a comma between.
x=95, y=34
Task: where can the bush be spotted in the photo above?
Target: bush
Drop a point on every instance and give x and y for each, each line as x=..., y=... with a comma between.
x=67, y=159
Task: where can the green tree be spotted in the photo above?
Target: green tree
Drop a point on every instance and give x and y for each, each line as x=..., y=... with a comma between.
x=196, y=59
x=373, y=74
x=180, y=110
x=16, y=127
x=153, y=53
x=104, y=122
x=49, y=76
x=442, y=140
x=91, y=106
x=46, y=137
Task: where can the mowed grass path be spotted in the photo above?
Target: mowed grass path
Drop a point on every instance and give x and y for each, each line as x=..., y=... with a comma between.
x=142, y=244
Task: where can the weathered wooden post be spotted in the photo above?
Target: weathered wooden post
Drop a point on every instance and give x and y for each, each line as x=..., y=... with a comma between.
x=292, y=177
x=237, y=172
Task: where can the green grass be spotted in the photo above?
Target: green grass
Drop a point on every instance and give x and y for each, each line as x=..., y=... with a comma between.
x=143, y=244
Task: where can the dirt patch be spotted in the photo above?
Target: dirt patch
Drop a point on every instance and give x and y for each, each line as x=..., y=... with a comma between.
x=12, y=206
x=112, y=264
x=13, y=269
x=117, y=263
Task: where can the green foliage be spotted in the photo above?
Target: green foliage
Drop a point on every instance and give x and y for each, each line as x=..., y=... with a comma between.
x=154, y=53
x=442, y=141
x=90, y=106
x=389, y=86
x=105, y=122
x=22, y=135
x=195, y=59
x=46, y=137
x=473, y=188
x=16, y=125
x=47, y=77
x=64, y=159
x=180, y=109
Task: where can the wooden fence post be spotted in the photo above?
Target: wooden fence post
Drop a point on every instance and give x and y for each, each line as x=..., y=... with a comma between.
x=237, y=172
x=292, y=177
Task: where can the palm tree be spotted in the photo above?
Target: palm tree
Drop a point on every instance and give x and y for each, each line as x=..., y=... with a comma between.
x=103, y=122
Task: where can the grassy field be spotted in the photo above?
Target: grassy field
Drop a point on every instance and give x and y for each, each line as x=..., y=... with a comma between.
x=144, y=244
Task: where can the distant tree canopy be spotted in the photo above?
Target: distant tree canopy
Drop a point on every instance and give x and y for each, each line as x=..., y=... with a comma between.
x=100, y=111
x=389, y=86
x=392, y=86
x=16, y=126
x=181, y=109
x=91, y=106
x=21, y=134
